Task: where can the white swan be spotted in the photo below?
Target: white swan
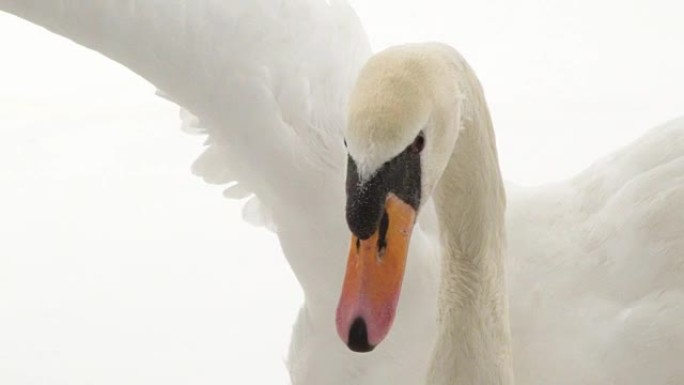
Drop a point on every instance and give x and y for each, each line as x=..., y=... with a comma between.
x=259, y=98
x=416, y=96
x=419, y=126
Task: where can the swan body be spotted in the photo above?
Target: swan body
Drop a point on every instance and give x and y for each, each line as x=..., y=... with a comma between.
x=595, y=267
x=593, y=264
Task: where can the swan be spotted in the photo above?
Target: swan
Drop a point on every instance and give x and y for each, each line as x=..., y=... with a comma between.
x=255, y=95
x=419, y=128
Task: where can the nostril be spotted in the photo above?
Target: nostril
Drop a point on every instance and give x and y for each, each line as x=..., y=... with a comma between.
x=382, y=236
x=358, y=337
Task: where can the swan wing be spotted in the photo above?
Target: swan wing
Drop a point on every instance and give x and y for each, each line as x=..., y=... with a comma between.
x=597, y=269
x=265, y=80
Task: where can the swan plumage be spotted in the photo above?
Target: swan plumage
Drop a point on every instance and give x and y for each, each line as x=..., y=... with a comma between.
x=595, y=267
x=256, y=105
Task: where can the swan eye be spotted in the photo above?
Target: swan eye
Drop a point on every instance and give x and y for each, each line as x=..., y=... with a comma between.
x=418, y=143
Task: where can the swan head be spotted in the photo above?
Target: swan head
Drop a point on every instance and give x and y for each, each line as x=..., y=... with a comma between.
x=401, y=131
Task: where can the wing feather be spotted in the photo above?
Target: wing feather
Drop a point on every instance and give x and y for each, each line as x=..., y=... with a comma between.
x=266, y=80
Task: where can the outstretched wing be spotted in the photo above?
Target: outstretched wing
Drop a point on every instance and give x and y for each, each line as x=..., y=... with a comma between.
x=266, y=80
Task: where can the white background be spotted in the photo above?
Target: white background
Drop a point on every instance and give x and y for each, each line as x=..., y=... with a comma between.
x=118, y=266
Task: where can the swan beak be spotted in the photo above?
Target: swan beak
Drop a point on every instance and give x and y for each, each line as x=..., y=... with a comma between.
x=372, y=283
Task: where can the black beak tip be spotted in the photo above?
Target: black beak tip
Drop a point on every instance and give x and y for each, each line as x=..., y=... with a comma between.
x=358, y=337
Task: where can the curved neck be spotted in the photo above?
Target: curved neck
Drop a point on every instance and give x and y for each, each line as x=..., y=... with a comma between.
x=474, y=345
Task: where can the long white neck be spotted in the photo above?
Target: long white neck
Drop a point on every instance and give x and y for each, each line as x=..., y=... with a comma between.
x=474, y=345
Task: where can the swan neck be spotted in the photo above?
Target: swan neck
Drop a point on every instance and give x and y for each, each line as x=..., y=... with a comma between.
x=474, y=334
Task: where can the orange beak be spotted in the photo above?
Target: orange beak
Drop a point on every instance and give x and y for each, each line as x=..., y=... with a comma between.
x=372, y=283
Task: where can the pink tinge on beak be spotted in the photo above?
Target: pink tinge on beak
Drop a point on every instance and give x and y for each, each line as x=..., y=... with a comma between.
x=363, y=323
